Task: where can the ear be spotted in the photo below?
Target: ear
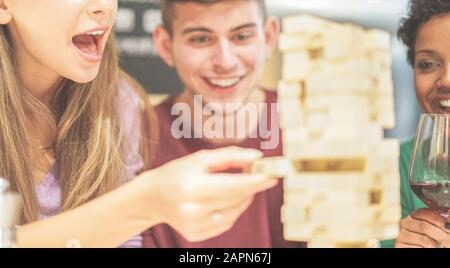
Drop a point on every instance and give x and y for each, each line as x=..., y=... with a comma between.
x=5, y=13
x=271, y=32
x=162, y=42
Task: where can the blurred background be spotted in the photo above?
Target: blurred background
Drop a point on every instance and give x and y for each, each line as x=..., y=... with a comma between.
x=137, y=18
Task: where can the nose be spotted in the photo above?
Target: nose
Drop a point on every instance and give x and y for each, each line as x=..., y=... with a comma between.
x=224, y=59
x=101, y=9
x=444, y=80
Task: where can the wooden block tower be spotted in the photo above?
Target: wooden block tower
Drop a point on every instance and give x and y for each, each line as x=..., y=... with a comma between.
x=336, y=97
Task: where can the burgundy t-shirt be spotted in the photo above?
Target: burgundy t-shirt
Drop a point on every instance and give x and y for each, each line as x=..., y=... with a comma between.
x=258, y=227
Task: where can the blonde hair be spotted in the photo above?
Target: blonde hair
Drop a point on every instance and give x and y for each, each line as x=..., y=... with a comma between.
x=86, y=130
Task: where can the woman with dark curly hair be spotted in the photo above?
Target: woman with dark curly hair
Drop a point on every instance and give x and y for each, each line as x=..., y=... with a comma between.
x=426, y=33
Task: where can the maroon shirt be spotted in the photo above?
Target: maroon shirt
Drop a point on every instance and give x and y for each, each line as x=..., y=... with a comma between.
x=258, y=227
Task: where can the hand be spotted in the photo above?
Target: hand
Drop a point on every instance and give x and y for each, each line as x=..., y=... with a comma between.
x=200, y=202
x=423, y=229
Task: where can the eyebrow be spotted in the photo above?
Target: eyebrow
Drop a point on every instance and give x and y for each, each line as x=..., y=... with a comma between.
x=425, y=51
x=247, y=25
x=206, y=30
x=196, y=29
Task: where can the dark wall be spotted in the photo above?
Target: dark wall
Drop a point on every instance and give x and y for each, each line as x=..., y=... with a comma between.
x=136, y=20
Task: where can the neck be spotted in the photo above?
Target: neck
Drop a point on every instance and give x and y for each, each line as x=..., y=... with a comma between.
x=39, y=80
x=232, y=120
x=41, y=85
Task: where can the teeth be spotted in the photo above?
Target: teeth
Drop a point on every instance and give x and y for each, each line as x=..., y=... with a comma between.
x=224, y=82
x=96, y=33
x=445, y=103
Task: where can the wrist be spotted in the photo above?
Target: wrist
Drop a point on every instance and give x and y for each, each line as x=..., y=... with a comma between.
x=146, y=203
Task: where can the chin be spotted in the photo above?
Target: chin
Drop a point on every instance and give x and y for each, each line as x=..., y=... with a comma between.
x=84, y=76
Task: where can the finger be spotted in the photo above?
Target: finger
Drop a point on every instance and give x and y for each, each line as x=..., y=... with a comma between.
x=211, y=226
x=417, y=239
x=403, y=245
x=430, y=217
x=228, y=158
x=229, y=204
x=228, y=186
x=425, y=228
x=228, y=218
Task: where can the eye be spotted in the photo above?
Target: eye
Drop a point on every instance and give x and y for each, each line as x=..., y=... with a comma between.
x=242, y=37
x=428, y=65
x=200, y=40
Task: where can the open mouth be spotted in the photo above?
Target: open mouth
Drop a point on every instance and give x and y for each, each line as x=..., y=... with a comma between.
x=445, y=105
x=90, y=44
x=224, y=84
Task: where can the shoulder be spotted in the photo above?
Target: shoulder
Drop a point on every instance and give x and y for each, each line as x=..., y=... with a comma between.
x=131, y=106
x=408, y=200
x=130, y=93
x=164, y=109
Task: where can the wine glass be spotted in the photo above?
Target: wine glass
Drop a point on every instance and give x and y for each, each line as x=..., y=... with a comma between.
x=429, y=171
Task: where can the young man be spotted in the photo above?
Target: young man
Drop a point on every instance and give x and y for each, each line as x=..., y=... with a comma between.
x=219, y=49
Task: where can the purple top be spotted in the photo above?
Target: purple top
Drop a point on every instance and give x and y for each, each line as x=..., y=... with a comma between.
x=49, y=191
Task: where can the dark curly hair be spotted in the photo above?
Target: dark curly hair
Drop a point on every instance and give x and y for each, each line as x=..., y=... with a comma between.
x=420, y=12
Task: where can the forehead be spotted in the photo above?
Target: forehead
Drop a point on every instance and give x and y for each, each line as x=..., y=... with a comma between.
x=435, y=34
x=220, y=17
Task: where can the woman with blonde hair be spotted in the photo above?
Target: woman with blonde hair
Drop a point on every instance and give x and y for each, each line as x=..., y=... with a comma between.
x=71, y=139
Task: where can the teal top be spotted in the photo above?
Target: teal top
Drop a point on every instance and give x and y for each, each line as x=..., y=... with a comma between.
x=409, y=200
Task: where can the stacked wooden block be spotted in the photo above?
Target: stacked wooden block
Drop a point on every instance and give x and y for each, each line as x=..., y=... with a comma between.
x=336, y=97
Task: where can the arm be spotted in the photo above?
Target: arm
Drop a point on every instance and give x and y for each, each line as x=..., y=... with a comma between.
x=106, y=221
x=185, y=193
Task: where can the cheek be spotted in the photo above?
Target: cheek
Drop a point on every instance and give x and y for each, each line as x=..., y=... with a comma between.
x=196, y=61
x=423, y=86
x=253, y=57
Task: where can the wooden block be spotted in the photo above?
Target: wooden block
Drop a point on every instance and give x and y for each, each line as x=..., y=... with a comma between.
x=376, y=39
x=384, y=83
x=311, y=196
x=272, y=166
x=305, y=24
x=289, y=90
x=295, y=214
x=388, y=231
x=351, y=66
x=333, y=212
x=301, y=232
x=329, y=82
x=291, y=113
x=391, y=196
x=371, y=133
x=339, y=181
x=340, y=41
x=316, y=101
x=338, y=150
x=302, y=182
x=296, y=65
x=382, y=58
x=293, y=42
x=390, y=214
x=340, y=235
x=326, y=243
x=326, y=150
x=350, y=233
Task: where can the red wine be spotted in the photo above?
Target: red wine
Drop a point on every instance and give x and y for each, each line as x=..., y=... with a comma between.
x=436, y=195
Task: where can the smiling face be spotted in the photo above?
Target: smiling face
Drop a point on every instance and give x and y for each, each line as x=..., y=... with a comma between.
x=64, y=38
x=219, y=50
x=432, y=65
